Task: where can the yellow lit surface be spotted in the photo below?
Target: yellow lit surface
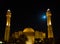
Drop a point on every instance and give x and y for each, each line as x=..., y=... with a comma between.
x=44, y=35
x=30, y=40
x=37, y=34
x=7, y=33
x=7, y=30
x=20, y=33
x=7, y=24
x=40, y=35
x=49, y=23
x=48, y=13
x=16, y=34
x=28, y=30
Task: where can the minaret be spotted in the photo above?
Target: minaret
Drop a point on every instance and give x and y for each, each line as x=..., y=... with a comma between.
x=49, y=25
x=7, y=29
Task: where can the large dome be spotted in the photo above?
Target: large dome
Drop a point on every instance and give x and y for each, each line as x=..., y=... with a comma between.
x=28, y=30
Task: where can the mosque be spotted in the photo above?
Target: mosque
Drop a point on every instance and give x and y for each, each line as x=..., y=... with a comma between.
x=29, y=32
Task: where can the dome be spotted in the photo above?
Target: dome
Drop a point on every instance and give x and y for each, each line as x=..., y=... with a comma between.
x=28, y=30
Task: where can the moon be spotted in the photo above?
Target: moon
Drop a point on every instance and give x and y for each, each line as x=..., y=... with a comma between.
x=44, y=17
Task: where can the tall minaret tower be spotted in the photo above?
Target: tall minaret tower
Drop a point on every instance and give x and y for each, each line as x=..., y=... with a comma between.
x=7, y=29
x=49, y=25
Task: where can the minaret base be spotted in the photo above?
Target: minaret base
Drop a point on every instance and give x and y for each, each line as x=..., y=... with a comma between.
x=51, y=40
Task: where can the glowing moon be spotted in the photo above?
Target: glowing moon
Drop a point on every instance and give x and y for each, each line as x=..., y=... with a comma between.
x=44, y=17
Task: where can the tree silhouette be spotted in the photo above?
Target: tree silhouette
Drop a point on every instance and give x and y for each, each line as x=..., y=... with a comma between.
x=22, y=39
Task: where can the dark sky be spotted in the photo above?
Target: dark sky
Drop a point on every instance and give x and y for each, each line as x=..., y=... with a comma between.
x=25, y=14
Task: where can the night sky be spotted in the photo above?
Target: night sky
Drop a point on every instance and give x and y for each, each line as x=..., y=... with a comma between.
x=28, y=14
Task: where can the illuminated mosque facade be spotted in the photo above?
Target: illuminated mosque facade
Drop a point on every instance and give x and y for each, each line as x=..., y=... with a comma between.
x=29, y=32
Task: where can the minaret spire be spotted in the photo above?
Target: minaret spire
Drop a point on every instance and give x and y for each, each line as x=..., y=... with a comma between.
x=7, y=29
x=49, y=24
x=49, y=27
